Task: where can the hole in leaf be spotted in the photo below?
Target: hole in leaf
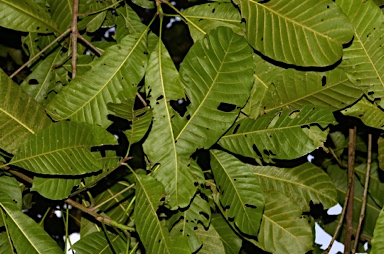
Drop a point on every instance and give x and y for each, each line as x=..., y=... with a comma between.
x=250, y=206
x=38, y=28
x=160, y=97
x=225, y=107
x=33, y=81
x=188, y=117
x=243, y=20
x=264, y=2
x=256, y=150
x=213, y=11
x=371, y=93
x=205, y=215
x=323, y=81
x=327, y=6
x=196, y=184
x=145, y=52
x=236, y=128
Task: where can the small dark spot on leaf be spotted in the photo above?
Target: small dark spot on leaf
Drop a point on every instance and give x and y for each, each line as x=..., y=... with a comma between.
x=200, y=20
x=38, y=28
x=243, y=20
x=323, y=81
x=361, y=115
x=194, y=228
x=188, y=117
x=145, y=52
x=327, y=6
x=33, y=81
x=262, y=39
x=181, y=231
x=196, y=184
x=264, y=2
x=250, y=206
x=162, y=199
x=160, y=97
x=371, y=92
x=213, y=10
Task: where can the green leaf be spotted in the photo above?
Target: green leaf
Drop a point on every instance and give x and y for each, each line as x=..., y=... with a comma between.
x=98, y=243
x=370, y=114
x=212, y=15
x=85, y=98
x=61, y=13
x=339, y=178
x=11, y=186
x=294, y=89
x=264, y=73
x=6, y=246
x=211, y=240
x=232, y=242
x=63, y=149
x=217, y=73
x=27, y=236
x=380, y=143
x=154, y=236
x=127, y=22
x=189, y=218
x=302, y=184
x=283, y=230
x=287, y=134
x=115, y=200
x=145, y=3
x=140, y=119
x=163, y=82
x=93, y=22
x=26, y=16
x=42, y=80
x=91, y=6
x=363, y=61
x=376, y=186
x=20, y=115
x=240, y=193
x=54, y=188
x=378, y=235
x=304, y=33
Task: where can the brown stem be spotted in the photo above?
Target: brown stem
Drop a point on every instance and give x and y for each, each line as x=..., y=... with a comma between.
x=351, y=165
x=75, y=34
x=364, y=198
x=79, y=206
x=41, y=52
x=90, y=45
x=141, y=99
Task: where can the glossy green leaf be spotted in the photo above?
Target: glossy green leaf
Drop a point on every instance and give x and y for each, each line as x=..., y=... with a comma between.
x=54, y=188
x=26, y=16
x=302, y=184
x=20, y=115
x=287, y=134
x=61, y=13
x=27, y=236
x=63, y=149
x=232, y=242
x=370, y=114
x=43, y=79
x=240, y=193
x=283, y=230
x=363, y=61
x=217, y=73
x=85, y=98
x=378, y=235
x=91, y=6
x=154, y=236
x=163, y=82
x=294, y=89
x=6, y=246
x=212, y=15
x=98, y=243
x=304, y=33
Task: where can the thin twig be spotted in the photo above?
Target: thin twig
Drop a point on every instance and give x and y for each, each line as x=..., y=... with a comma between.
x=341, y=164
x=141, y=99
x=113, y=196
x=340, y=223
x=351, y=174
x=75, y=34
x=41, y=52
x=364, y=198
x=90, y=45
x=79, y=206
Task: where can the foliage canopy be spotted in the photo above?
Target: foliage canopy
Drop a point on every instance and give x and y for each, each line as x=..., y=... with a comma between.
x=214, y=106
